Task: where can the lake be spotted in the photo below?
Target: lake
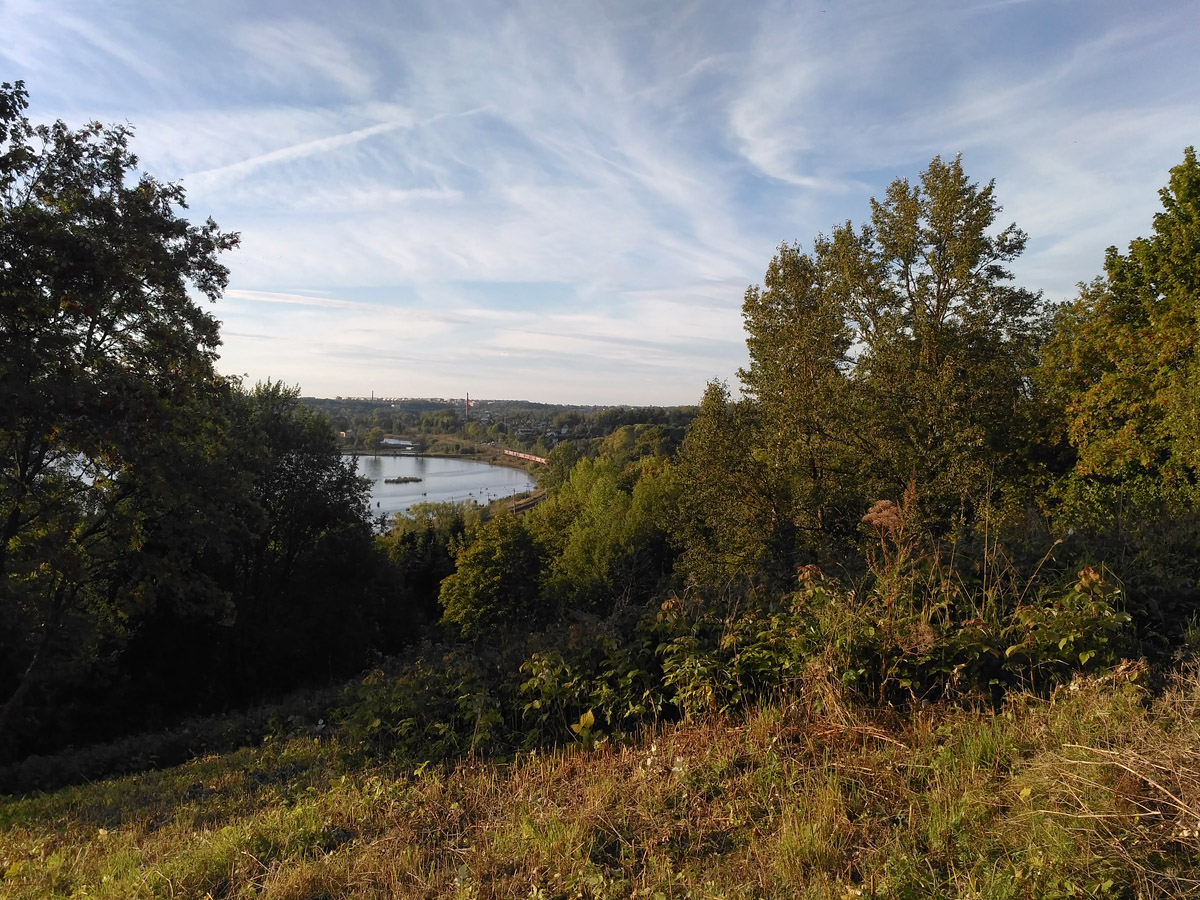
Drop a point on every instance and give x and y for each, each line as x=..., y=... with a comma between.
x=442, y=481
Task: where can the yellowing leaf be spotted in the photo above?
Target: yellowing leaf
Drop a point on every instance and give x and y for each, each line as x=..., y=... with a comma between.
x=586, y=721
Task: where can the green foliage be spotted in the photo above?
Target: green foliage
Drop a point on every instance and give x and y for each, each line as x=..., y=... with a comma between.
x=916, y=634
x=607, y=668
x=948, y=343
x=560, y=461
x=606, y=545
x=373, y=439
x=170, y=542
x=1123, y=357
x=916, y=630
x=717, y=658
x=420, y=550
x=585, y=728
x=732, y=519
x=1058, y=632
x=114, y=497
x=631, y=443
x=496, y=583
x=441, y=706
x=799, y=338
x=1121, y=366
x=892, y=357
x=304, y=582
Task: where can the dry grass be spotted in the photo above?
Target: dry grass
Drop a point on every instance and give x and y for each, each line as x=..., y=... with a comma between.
x=1093, y=793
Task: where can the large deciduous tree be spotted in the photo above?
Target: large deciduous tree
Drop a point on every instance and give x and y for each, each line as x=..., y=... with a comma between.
x=892, y=360
x=799, y=337
x=301, y=595
x=1123, y=366
x=947, y=343
x=1123, y=358
x=111, y=414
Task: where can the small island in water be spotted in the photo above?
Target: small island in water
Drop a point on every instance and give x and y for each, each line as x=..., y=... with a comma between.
x=401, y=479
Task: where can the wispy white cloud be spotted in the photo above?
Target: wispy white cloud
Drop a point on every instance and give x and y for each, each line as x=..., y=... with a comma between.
x=246, y=167
x=294, y=299
x=36, y=33
x=399, y=172
x=288, y=50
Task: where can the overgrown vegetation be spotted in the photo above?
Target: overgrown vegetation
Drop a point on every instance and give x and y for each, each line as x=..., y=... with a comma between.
x=903, y=643
x=1091, y=792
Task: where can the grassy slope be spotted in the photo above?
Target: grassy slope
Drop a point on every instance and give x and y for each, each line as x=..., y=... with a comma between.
x=1094, y=793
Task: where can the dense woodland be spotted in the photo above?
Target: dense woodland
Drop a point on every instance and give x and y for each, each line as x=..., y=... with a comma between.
x=928, y=484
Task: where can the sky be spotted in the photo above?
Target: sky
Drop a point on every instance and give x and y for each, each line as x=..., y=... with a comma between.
x=565, y=201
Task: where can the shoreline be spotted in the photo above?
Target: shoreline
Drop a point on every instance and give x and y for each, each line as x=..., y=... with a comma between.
x=490, y=456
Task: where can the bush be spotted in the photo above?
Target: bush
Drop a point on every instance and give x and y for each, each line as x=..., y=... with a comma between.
x=914, y=632
x=607, y=668
x=443, y=704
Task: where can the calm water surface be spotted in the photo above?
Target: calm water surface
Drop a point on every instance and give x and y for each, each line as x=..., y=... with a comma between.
x=442, y=481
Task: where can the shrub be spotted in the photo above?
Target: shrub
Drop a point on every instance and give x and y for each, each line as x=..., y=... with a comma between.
x=443, y=703
x=608, y=668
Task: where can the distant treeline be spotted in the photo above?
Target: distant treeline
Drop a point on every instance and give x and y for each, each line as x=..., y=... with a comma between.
x=515, y=424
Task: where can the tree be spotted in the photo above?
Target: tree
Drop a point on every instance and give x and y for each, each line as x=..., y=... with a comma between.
x=894, y=354
x=559, y=463
x=300, y=590
x=1124, y=358
x=496, y=585
x=420, y=551
x=112, y=414
x=947, y=344
x=603, y=542
x=797, y=383
x=310, y=593
x=734, y=518
x=893, y=358
x=1123, y=366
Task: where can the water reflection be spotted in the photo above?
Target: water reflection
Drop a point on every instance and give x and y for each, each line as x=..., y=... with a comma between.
x=442, y=481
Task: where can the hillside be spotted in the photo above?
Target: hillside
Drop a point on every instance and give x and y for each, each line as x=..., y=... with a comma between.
x=1091, y=792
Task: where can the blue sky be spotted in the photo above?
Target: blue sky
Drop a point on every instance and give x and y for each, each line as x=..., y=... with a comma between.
x=565, y=202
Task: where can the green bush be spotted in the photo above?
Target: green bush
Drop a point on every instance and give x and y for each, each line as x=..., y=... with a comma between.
x=608, y=668
x=718, y=657
x=443, y=704
x=914, y=632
